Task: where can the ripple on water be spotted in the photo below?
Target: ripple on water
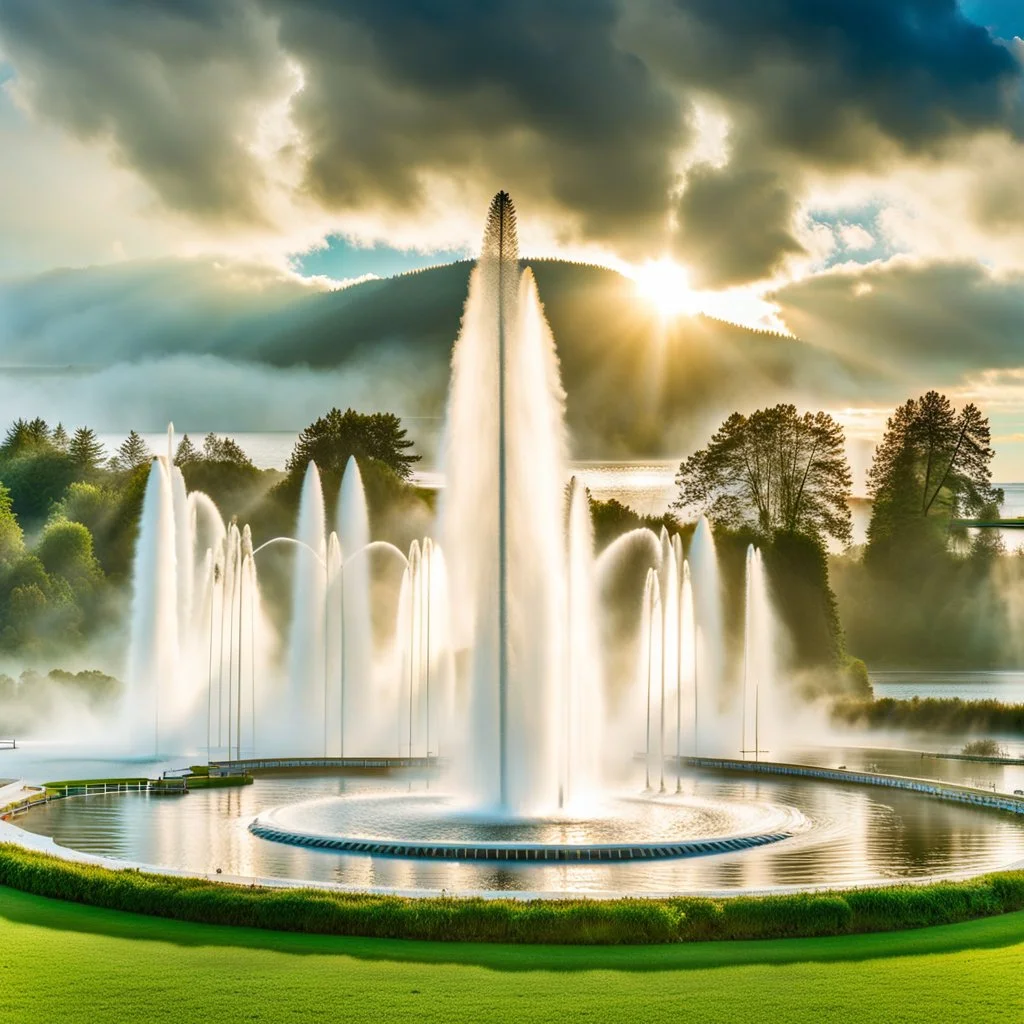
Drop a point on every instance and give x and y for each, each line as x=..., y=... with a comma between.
x=851, y=835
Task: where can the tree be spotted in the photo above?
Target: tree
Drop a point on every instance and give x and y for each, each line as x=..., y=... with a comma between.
x=34, y=471
x=773, y=470
x=66, y=550
x=98, y=509
x=25, y=437
x=60, y=439
x=224, y=449
x=187, y=452
x=86, y=451
x=932, y=465
x=133, y=452
x=332, y=439
x=12, y=543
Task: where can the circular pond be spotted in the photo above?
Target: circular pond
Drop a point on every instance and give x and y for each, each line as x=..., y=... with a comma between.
x=834, y=835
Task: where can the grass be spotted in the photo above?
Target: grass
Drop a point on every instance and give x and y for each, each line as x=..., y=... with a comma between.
x=197, y=781
x=72, y=783
x=950, y=715
x=218, y=781
x=101, y=965
x=568, y=922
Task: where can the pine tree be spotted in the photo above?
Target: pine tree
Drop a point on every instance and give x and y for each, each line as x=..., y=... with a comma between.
x=60, y=438
x=133, y=452
x=187, y=452
x=224, y=449
x=86, y=451
x=25, y=437
x=932, y=463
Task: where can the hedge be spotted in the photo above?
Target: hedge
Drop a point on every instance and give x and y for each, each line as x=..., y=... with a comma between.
x=583, y=922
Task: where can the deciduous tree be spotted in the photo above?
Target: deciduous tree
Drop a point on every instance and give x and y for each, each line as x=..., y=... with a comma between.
x=775, y=469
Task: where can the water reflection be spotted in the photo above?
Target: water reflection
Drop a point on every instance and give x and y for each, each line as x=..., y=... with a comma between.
x=856, y=835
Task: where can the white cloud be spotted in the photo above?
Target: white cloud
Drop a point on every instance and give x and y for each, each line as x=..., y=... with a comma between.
x=856, y=238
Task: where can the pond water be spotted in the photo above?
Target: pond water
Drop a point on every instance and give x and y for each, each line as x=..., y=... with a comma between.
x=848, y=835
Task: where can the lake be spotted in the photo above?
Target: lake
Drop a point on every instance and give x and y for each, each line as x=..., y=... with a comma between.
x=1007, y=686
x=646, y=485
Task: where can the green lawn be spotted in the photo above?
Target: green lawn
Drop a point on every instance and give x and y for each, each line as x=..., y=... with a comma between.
x=65, y=962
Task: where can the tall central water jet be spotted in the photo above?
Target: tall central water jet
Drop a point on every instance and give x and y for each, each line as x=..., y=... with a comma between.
x=504, y=529
x=501, y=258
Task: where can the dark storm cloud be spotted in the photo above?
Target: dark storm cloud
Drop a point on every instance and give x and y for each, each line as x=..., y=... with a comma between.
x=527, y=93
x=911, y=320
x=530, y=95
x=735, y=223
x=581, y=107
x=827, y=85
x=170, y=85
x=825, y=77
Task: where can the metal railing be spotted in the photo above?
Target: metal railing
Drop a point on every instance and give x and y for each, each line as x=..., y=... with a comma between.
x=100, y=788
x=248, y=765
x=942, y=790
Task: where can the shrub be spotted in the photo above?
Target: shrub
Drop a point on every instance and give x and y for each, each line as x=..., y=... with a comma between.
x=983, y=748
x=582, y=922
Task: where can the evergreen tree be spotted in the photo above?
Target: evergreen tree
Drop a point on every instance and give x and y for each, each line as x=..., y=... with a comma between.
x=224, y=449
x=133, y=452
x=775, y=470
x=60, y=438
x=85, y=451
x=933, y=465
x=187, y=452
x=26, y=437
x=332, y=439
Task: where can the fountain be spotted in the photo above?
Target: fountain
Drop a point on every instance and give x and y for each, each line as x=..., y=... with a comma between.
x=555, y=711
x=497, y=654
x=558, y=719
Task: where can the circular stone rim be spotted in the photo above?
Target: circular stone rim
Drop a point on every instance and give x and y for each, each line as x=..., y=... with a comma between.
x=529, y=852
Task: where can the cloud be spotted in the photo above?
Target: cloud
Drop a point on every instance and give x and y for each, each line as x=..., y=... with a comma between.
x=131, y=310
x=919, y=324
x=263, y=118
x=855, y=238
x=178, y=91
x=529, y=94
x=814, y=90
x=736, y=224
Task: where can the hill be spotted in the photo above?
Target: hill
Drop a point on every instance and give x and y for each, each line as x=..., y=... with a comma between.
x=635, y=385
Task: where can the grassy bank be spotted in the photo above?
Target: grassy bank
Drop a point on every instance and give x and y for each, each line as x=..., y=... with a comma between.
x=203, y=781
x=77, y=783
x=123, y=967
x=218, y=781
x=951, y=715
x=587, y=922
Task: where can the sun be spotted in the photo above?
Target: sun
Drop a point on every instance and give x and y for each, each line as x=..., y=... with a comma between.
x=665, y=284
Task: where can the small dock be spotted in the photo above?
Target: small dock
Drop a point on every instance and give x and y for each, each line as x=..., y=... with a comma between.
x=336, y=764
x=8, y=744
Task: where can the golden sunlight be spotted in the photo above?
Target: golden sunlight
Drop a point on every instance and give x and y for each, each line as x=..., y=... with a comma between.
x=666, y=286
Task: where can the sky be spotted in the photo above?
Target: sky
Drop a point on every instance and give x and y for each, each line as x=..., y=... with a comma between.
x=848, y=171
